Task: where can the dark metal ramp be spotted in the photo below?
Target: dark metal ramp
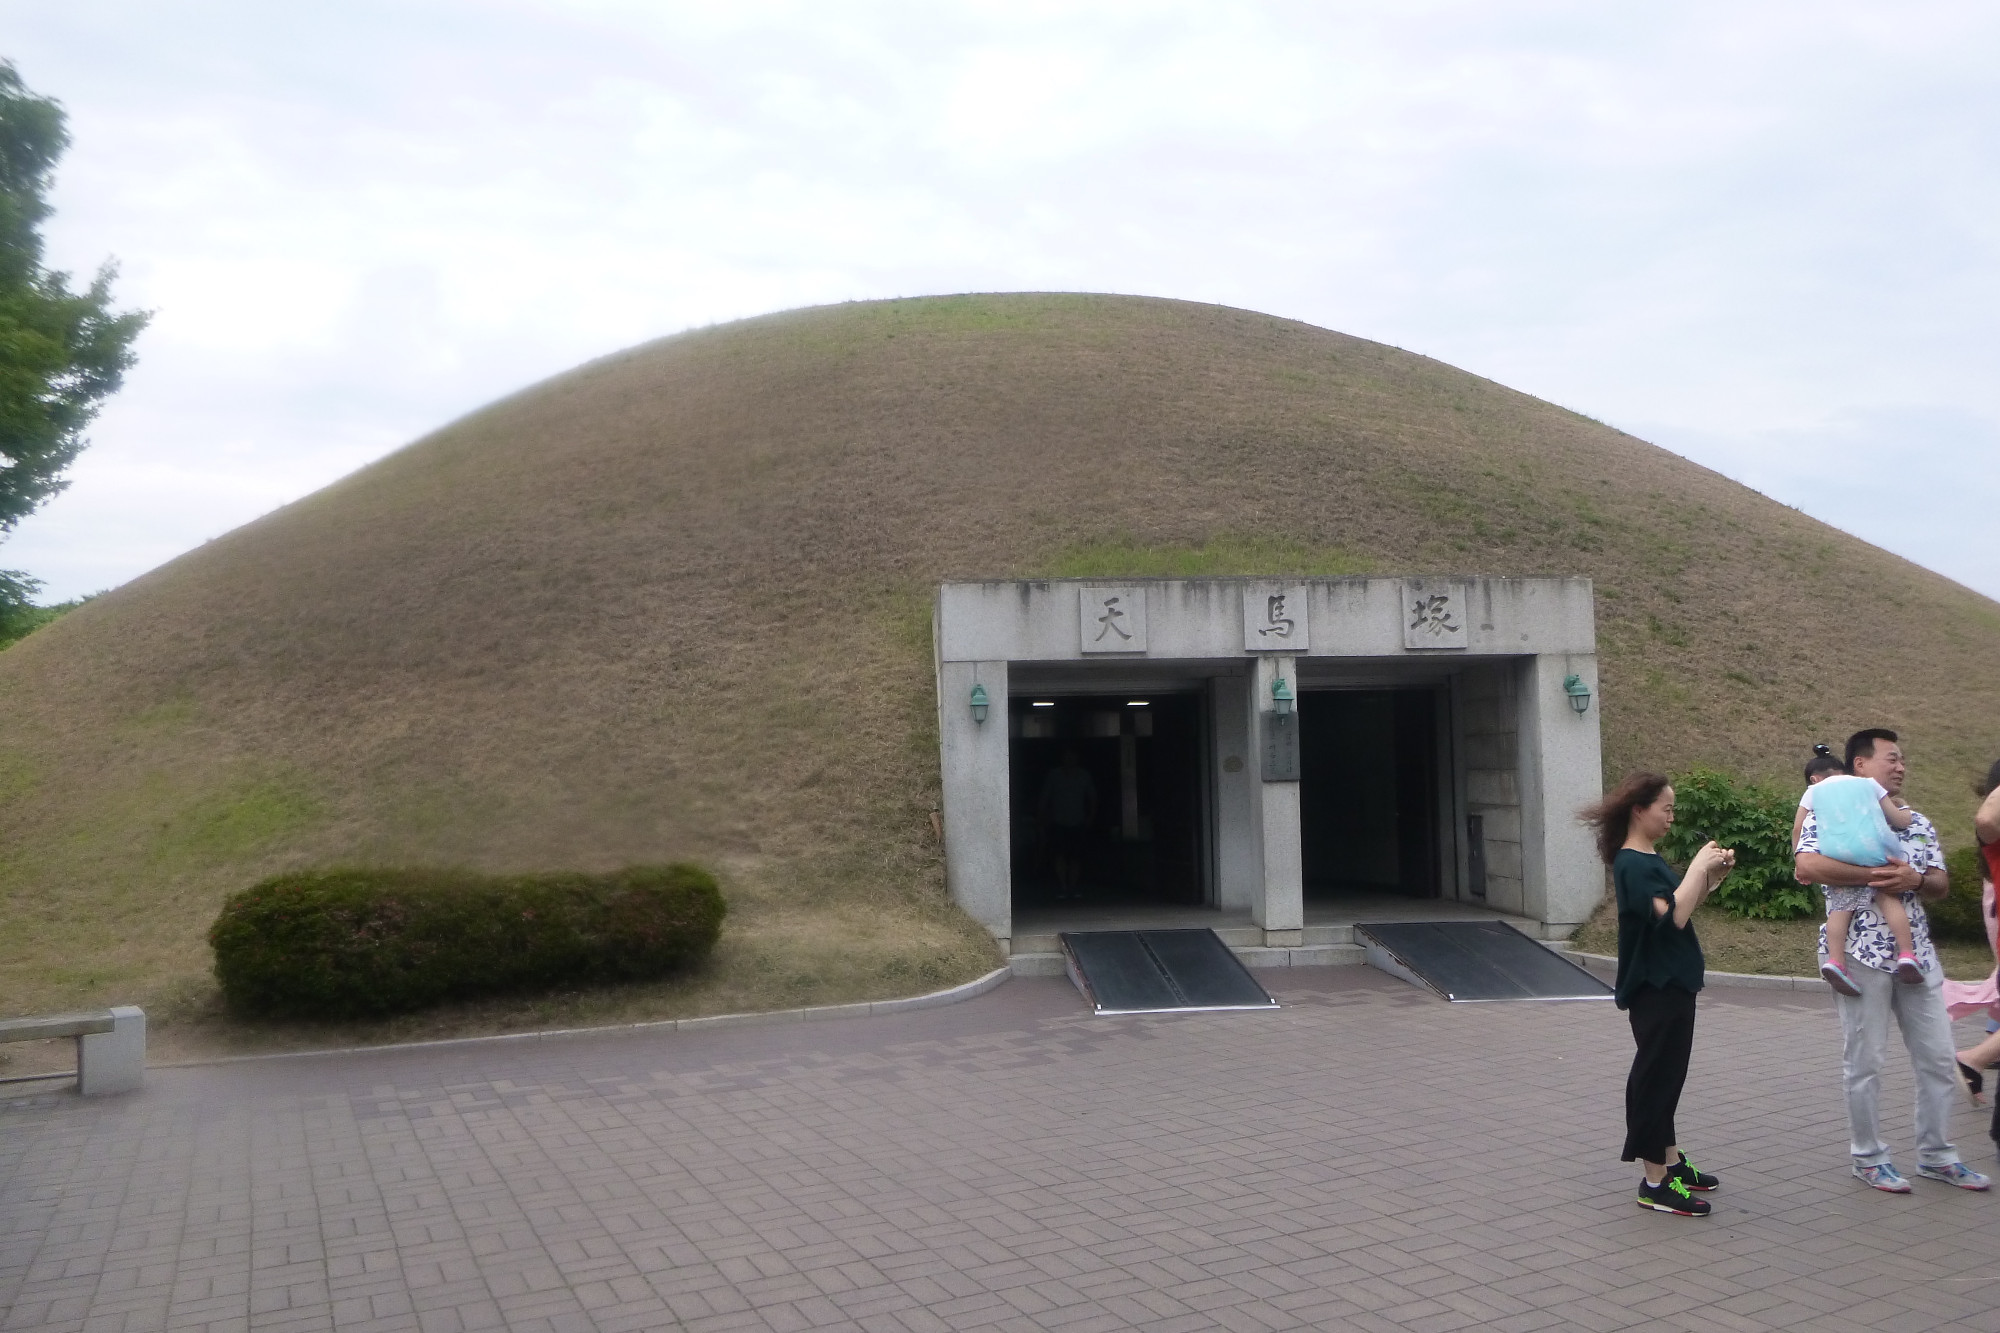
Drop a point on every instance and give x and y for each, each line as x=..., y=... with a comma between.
x=1466, y=961
x=1159, y=971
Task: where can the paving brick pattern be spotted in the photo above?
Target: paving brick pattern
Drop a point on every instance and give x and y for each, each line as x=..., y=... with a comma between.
x=1367, y=1157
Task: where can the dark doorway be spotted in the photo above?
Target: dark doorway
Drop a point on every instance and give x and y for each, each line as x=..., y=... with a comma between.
x=1368, y=792
x=1124, y=820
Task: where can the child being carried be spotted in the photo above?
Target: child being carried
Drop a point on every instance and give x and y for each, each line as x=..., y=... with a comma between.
x=1857, y=821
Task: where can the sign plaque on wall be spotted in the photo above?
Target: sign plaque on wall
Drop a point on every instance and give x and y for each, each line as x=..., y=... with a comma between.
x=1112, y=620
x=1274, y=619
x=1281, y=747
x=1433, y=613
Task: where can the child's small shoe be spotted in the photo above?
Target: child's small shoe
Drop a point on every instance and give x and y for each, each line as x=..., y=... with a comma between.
x=1836, y=977
x=1908, y=970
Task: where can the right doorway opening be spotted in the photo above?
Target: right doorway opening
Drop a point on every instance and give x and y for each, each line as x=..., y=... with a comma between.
x=1368, y=793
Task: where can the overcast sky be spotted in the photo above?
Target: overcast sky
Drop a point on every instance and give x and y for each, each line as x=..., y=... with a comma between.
x=1765, y=235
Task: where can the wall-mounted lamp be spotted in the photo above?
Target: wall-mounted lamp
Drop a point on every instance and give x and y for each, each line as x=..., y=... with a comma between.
x=980, y=703
x=1578, y=692
x=1281, y=696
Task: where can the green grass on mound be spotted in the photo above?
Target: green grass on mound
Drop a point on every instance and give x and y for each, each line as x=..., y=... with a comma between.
x=1223, y=556
x=675, y=605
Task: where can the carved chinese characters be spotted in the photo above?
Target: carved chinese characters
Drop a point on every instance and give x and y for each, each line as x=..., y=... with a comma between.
x=1274, y=619
x=1112, y=620
x=1433, y=613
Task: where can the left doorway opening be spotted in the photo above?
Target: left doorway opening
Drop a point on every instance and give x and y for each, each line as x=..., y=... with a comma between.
x=1107, y=800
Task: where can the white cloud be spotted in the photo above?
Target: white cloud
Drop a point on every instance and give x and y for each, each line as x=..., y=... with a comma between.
x=1921, y=481
x=1757, y=229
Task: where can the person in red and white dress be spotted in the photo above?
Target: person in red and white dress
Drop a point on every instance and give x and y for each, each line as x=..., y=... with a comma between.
x=1965, y=998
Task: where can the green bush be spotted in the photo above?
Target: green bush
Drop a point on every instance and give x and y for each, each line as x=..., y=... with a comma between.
x=1957, y=917
x=1757, y=822
x=362, y=943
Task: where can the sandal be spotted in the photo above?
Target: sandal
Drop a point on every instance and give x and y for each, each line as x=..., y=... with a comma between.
x=1972, y=1081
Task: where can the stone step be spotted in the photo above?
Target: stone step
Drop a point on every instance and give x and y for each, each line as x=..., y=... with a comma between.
x=1036, y=964
x=1049, y=962
x=1236, y=937
x=1303, y=955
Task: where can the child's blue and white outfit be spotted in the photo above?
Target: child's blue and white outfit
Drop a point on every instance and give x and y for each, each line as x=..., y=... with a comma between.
x=1847, y=811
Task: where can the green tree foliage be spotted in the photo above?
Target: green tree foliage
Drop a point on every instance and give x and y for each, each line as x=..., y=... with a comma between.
x=1754, y=820
x=19, y=616
x=360, y=943
x=18, y=612
x=17, y=604
x=62, y=351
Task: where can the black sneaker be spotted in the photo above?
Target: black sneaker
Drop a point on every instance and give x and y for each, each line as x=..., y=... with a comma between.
x=1671, y=1196
x=1685, y=1172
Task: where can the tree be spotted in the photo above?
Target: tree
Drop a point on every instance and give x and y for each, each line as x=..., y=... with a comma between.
x=62, y=352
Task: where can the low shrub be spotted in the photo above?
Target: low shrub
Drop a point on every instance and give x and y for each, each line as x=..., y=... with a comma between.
x=364, y=943
x=1757, y=822
x=1957, y=916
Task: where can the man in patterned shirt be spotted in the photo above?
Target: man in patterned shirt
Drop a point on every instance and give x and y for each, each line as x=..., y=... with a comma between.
x=1918, y=1009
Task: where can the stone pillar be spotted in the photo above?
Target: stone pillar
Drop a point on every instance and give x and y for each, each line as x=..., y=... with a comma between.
x=113, y=1061
x=1280, y=908
x=978, y=824
x=1239, y=856
x=1562, y=770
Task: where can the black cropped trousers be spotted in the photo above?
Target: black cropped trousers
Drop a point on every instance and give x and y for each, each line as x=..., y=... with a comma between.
x=1663, y=1028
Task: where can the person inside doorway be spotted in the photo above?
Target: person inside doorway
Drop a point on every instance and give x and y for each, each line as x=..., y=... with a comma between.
x=1067, y=810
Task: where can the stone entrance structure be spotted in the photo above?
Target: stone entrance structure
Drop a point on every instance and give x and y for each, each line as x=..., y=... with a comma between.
x=1268, y=748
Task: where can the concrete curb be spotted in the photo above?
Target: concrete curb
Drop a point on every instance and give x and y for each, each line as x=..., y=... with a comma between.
x=1745, y=980
x=864, y=1009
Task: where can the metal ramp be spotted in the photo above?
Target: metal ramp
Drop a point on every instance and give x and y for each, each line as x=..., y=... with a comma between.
x=1467, y=961
x=1159, y=972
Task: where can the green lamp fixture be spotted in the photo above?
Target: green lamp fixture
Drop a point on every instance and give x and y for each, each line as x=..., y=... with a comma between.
x=1578, y=692
x=980, y=703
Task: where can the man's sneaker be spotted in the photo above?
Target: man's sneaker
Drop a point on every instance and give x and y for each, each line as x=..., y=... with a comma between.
x=1685, y=1172
x=1955, y=1173
x=1671, y=1196
x=1883, y=1177
x=1836, y=977
x=1908, y=970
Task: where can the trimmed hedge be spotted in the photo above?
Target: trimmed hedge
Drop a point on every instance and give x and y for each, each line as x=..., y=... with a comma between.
x=363, y=943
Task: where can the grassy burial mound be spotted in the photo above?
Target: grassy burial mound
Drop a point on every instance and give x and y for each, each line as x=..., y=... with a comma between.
x=674, y=605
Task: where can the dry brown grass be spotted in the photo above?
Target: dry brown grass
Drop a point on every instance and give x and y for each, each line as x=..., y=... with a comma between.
x=674, y=604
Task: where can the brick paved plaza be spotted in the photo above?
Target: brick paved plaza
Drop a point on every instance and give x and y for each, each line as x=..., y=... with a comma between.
x=1368, y=1157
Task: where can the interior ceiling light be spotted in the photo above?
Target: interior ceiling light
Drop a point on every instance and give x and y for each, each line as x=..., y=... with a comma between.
x=1139, y=703
x=1043, y=703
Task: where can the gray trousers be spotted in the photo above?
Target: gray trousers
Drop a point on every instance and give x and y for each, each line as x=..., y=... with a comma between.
x=1864, y=1025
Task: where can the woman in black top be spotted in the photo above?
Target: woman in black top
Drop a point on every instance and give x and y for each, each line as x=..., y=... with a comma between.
x=1659, y=971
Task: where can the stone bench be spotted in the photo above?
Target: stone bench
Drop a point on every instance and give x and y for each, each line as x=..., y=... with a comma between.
x=110, y=1045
